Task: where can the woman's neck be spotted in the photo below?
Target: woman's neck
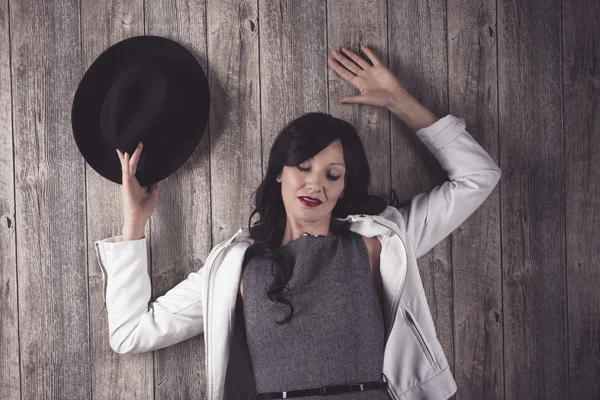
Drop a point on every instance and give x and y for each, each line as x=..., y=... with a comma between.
x=294, y=232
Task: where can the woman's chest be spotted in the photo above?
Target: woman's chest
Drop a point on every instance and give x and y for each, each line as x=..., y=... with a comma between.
x=372, y=246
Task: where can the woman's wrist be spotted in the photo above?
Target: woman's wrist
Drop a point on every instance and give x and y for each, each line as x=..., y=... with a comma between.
x=126, y=236
x=414, y=114
x=132, y=231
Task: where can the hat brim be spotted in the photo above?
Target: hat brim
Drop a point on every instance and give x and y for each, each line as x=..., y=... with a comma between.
x=95, y=84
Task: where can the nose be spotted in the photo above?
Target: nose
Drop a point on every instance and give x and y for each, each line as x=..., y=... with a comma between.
x=314, y=183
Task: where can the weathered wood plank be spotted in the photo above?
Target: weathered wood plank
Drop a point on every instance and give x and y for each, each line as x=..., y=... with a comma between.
x=9, y=319
x=417, y=52
x=351, y=24
x=235, y=140
x=581, y=37
x=293, y=64
x=235, y=137
x=532, y=199
x=114, y=376
x=181, y=225
x=50, y=194
x=476, y=253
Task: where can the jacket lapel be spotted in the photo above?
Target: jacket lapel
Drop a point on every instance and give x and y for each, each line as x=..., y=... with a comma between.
x=224, y=281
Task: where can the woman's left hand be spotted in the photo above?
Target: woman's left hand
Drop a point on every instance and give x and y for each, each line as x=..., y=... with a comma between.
x=376, y=83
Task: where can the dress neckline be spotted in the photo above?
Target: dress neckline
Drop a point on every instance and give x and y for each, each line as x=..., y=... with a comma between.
x=310, y=235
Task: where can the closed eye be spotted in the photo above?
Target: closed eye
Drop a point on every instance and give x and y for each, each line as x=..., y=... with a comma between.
x=330, y=177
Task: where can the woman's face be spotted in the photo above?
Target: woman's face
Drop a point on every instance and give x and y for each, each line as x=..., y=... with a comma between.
x=320, y=177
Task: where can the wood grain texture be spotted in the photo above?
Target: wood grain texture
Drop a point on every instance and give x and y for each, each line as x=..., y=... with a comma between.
x=51, y=202
x=581, y=85
x=235, y=139
x=351, y=24
x=181, y=225
x=532, y=200
x=293, y=64
x=114, y=376
x=418, y=57
x=235, y=134
x=476, y=252
x=10, y=385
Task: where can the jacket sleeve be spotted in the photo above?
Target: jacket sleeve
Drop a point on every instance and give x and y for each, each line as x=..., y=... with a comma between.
x=432, y=216
x=135, y=326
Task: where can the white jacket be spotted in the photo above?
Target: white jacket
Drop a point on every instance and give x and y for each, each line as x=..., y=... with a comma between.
x=414, y=363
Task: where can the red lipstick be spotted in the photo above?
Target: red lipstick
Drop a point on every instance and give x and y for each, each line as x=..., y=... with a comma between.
x=309, y=201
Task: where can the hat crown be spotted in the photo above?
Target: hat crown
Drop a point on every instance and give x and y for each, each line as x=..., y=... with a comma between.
x=136, y=103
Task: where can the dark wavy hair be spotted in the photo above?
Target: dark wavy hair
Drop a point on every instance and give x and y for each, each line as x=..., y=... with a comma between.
x=298, y=141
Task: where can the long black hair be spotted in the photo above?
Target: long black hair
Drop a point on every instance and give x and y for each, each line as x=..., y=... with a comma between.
x=298, y=141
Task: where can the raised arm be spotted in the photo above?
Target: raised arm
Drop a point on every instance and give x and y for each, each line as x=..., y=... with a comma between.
x=472, y=173
x=431, y=216
x=136, y=325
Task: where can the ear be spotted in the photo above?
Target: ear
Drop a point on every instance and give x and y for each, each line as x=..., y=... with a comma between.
x=278, y=178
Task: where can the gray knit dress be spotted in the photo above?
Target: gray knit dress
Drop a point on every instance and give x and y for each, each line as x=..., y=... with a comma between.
x=336, y=336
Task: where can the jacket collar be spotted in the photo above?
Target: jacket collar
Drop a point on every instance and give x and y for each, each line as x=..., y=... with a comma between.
x=360, y=223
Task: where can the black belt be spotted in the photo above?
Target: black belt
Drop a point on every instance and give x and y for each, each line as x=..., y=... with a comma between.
x=324, y=390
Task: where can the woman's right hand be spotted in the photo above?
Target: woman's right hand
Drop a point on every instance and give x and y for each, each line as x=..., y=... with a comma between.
x=138, y=204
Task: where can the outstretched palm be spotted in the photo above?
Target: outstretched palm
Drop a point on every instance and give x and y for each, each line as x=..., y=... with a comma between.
x=376, y=83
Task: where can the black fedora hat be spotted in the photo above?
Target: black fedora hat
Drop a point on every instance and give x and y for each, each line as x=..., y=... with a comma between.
x=145, y=89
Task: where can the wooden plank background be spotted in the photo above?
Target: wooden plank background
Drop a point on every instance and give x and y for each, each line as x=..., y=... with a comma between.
x=514, y=292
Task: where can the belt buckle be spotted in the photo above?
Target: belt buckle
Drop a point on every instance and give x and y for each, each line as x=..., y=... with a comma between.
x=357, y=386
x=327, y=390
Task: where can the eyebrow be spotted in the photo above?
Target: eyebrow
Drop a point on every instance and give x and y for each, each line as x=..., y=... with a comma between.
x=333, y=163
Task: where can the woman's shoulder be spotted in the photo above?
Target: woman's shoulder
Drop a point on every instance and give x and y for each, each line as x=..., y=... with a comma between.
x=373, y=245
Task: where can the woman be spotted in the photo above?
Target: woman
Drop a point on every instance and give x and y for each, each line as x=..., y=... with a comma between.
x=322, y=295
